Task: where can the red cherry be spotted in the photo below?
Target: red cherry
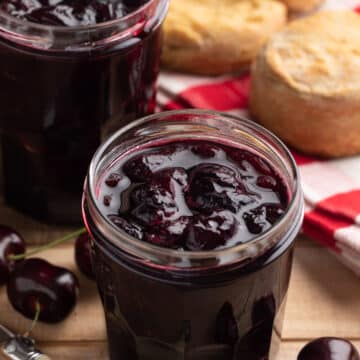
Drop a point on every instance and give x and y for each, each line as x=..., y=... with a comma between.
x=83, y=255
x=327, y=348
x=36, y=281
x=11, y=243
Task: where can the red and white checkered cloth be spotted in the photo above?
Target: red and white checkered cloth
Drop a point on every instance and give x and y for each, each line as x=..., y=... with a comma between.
x=331, y=187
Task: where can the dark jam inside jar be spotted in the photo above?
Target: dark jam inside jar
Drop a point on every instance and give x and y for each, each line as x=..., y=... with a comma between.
x=69, y=12
x=61, y=97
x=193, y=196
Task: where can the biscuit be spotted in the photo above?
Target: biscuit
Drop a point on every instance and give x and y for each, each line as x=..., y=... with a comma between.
x=213, y=37
x=306, y=84
x=302, y=5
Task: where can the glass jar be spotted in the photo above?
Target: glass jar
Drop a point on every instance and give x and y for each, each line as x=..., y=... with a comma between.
x=63, y=90
x=161, y=304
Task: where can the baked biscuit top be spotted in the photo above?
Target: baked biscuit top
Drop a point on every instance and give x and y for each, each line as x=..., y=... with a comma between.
x=193, y=24
x=319, y=54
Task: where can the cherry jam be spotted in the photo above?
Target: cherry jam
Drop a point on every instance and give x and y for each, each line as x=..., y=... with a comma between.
x=70, y=12
x=194, y=195
x=192, y=217
x=64, y=90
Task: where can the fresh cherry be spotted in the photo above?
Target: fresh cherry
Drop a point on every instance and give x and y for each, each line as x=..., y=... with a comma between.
x=83, y=255
x=36, y=281
x=11, y=243
x=329, y=348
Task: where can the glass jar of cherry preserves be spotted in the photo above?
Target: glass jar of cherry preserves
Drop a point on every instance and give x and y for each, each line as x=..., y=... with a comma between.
x=71, y=73
x=193, y=216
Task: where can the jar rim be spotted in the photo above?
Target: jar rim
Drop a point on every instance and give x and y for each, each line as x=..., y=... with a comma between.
x=82, y=38
x=69, y=29
x=135, y=247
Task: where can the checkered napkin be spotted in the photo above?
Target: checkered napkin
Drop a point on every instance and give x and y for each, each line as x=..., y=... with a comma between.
x=331, y=187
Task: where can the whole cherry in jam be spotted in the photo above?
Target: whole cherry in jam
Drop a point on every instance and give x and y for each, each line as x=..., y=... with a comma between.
x=83, y=255
x=213, y=187
x=36, y=281
x=211, y=231
x=154, y=203
x=193, y=195
x=11, y=243
x=329, y=348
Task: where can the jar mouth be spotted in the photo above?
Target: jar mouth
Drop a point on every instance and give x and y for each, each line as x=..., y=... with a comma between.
x=83, y=37
x=65, y=29
x=288, y=225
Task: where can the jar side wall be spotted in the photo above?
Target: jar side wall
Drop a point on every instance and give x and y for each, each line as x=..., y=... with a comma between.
x=56, y=115
x=85, y=38
x=205, y=310
x=191, y=321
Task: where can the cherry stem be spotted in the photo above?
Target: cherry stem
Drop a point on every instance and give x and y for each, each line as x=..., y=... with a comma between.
x=35, y=320
x=48, y=246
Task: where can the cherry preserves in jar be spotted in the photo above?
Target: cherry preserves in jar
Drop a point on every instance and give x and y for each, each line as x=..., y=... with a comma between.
x=71, y=73
x=193, y=216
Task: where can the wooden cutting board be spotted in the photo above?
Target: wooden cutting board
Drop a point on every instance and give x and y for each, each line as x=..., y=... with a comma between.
x=323, y=300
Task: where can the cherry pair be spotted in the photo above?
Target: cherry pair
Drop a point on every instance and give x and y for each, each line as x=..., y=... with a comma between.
x=34, y=283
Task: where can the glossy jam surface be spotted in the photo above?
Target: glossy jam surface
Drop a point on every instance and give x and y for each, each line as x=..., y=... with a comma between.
x=193, y=195
x=69, y=12
x=328, y=348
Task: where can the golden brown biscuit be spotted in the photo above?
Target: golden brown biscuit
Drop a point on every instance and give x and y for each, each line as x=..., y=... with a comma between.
x=302, y=5
x=218, y=36
x=306, y=84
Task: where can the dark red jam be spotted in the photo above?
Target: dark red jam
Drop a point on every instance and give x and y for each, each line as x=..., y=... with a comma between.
x=69, y=12
x=58, y=104
x=193, y=195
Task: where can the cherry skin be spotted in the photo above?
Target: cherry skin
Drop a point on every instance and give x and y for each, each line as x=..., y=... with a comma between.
x=154, y=203
x=129, y=227
x=54, y=288
x=142, y=167
x=214, y=187
x=328, y=348
x=83, y=255
x=11, y=243
x=210, y=232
